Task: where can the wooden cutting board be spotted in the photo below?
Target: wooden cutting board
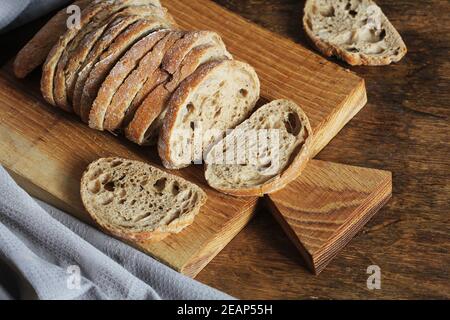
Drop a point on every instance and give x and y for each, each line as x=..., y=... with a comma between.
x=47, y=150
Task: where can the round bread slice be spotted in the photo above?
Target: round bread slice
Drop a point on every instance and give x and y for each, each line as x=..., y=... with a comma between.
x=356, y=31
x=122, y=103
x=110, y=57
x=264, y=153
x=135, y=201
x=34, y=53
x=118, y=74
x=148, y=120
x=76, y=53
x=97, y=12
x=218, y=96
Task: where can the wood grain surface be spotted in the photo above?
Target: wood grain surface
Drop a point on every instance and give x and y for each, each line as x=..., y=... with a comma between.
x=33, y=134
x=404, y=128
x=326, y=206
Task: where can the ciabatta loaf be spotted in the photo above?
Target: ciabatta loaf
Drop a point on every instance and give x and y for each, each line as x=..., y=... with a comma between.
x=216, y=97
x=356, y=31
x=37, y=49
x=263, y=154
x=136, y=201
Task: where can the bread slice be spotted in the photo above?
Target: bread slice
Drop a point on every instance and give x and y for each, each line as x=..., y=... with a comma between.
x=110, y=57
x=118, y=75
x=218, y=96
x=97, y=12
x=110, y=35
x=135, y=201
x=122, y=103
x=264, y=153
x=34, y=53
x=145, y=126
x=77, y=52
x=356, y=31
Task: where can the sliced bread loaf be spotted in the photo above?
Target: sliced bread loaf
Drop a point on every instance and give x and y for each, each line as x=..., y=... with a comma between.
x=109, y=36
x=77, y=52
x=34, y=53
x=136, y=201
x=356, y=31
x=122, y=104
x=118, y=74
x=91, y=18
x=218, y=96
x=263, y=154
x=110, y=57
x=146, y=124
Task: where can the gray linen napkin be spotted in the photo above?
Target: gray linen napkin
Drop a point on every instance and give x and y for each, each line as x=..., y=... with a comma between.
x=45, y=248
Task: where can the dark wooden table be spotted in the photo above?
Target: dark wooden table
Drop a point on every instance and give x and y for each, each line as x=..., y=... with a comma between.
x=404, y=129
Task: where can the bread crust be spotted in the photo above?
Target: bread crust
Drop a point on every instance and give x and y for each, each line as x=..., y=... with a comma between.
x=113, y=31
x=109, y=58
x=122, y=101
x=48, y=70
x=119, y=74
x=158, y=233
x=73, y=57
x=329, y=50
x=292, y=172
x=34, y=53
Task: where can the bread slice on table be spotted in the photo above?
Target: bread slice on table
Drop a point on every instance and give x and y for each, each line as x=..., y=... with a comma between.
x=146, y=124
x=218, y=96
x=356, y=31
x=135, y=201
x=77, y=52
x=119, y=73
x=110, y=57
x=122, y=106
x=34, y=53
x=96, y=12
x=263, y=154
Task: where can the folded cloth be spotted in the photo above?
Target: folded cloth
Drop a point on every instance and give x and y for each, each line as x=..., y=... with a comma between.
x=59, y=257
x=14, y=13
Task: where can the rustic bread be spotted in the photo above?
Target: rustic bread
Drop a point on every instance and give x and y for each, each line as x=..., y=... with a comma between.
x=122, y=103
x=34, y=53
x=119, y=74
x=77, y=52
x=96, y=12
x=136, y=201
x=263, y=154
x=91, y=60
x=219, y=96
x=356, y=31
x=110, y=57
x=145, y=126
